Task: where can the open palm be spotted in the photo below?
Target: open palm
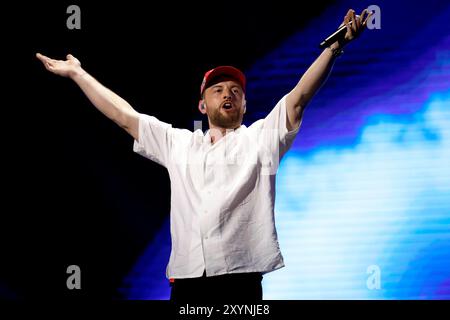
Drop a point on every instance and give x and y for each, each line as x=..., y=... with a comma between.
x=60, y=67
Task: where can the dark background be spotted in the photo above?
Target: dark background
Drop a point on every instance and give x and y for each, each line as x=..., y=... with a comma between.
x=74, y=192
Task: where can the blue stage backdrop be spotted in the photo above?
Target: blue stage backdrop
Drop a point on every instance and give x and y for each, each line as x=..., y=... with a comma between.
x=363, y=197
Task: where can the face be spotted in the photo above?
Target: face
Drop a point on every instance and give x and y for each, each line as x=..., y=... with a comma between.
x=224, y=104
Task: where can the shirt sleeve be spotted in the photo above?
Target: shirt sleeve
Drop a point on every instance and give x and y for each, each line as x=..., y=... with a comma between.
x=155, y=139
x=276, y=131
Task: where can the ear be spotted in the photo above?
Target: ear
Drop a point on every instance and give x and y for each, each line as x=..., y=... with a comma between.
x=245, y=105
x=201, y=106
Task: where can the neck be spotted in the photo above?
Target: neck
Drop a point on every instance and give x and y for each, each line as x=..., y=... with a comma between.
x=218, y=133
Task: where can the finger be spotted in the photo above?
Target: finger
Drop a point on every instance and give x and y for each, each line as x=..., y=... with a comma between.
x=41, y=57
x=369, y=14
x=354, y=22
x=70, y=57
x=361, y=18
x=347, y=24
x=51, y=64
x=367, y=19
x=48, y=66
x=45, y=61
x=353, y=19
x=363, y=13
x=358, y=22
x=347, y=16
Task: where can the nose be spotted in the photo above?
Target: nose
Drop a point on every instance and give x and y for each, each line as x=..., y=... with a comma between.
x=227, y=94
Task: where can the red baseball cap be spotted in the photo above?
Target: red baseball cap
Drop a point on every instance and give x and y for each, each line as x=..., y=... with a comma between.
x=222, y=73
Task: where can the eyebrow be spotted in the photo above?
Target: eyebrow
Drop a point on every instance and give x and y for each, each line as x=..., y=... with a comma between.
x=221, y=86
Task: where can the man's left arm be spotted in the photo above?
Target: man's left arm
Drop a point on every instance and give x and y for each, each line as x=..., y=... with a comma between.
x=317, y=73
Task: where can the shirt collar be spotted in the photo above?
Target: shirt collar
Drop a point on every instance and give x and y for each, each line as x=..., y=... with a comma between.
x=207, y=136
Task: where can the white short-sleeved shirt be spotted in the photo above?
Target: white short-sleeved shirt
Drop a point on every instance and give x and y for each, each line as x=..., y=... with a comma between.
x=222, y=194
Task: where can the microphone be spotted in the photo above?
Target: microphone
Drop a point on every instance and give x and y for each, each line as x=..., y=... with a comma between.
x=339, y=33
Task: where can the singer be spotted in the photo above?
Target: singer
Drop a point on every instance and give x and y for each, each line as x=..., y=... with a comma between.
x=222, y=181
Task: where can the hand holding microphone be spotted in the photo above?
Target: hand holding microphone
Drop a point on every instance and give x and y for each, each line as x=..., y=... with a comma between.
x=350, y=29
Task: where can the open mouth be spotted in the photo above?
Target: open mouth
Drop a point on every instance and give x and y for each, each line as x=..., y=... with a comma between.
x=227, y=106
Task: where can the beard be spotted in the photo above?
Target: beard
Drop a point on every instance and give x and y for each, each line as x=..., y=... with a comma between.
x=228, y=120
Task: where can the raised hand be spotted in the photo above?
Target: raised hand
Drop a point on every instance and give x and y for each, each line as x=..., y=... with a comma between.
x=357, y=25
x=67, y=68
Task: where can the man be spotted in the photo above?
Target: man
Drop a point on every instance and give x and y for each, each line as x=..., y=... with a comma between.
x=222, y=182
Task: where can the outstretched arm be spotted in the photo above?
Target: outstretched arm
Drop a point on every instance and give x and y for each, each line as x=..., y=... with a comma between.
x=109, y=103
x=317, y=73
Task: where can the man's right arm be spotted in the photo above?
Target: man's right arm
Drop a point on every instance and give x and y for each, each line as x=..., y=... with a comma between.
x=109, y=103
